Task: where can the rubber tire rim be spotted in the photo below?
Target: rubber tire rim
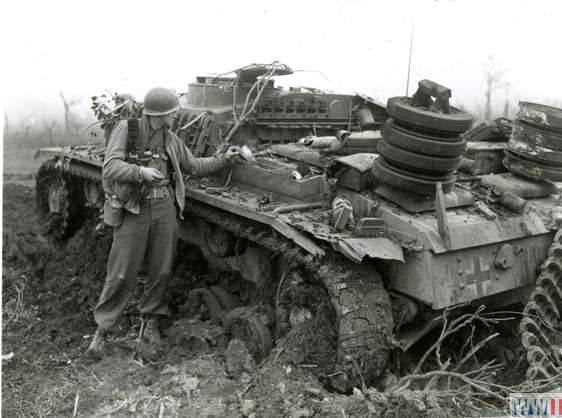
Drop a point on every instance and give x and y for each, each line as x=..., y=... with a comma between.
x=413, y=184
x=399, y=137
x=419, y=161
x=402, y=110
x=514, y=163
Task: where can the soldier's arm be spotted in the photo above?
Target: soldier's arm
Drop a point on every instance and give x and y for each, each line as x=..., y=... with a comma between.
x=198, y=166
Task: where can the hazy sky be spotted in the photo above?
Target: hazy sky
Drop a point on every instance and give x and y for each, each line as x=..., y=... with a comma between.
x=84, y=47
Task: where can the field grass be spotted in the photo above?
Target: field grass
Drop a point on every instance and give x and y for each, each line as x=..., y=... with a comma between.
x=20, y=161
x=19, y=150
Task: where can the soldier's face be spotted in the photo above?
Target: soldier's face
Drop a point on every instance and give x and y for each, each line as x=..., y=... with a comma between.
x=168, y=120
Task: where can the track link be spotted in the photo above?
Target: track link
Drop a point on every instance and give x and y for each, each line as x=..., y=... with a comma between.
x=541, y=325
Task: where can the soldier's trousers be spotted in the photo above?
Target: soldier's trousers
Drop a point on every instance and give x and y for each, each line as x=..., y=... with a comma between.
x=152, y=236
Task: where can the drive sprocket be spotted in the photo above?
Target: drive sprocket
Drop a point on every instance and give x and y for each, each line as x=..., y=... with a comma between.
x=541, y=325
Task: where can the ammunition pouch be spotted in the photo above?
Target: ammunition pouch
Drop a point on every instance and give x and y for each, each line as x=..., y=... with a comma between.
x=113, y=212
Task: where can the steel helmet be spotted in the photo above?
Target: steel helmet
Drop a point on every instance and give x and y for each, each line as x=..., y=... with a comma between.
x=160, y=101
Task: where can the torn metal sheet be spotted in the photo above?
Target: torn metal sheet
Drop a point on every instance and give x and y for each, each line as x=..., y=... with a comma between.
x=368, y=99
x=356, y=171
x=358, y=248
x=362, y=162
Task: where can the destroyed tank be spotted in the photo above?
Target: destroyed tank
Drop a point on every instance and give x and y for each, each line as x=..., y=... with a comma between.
x=348, y=209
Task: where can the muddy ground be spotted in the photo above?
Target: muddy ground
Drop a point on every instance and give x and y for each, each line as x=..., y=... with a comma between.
x=47, y=300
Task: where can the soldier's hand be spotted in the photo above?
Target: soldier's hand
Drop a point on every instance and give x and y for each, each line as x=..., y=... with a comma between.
x=231, y=152
x=151, y=175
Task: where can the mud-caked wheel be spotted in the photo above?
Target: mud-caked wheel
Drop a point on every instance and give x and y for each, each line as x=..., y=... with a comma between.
x=220, y=241
x=202, y=302
x=251, y=326
x=225, y=298
x=58, y=200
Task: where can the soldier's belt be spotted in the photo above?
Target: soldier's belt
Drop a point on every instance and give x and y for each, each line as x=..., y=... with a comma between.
x=160, y=192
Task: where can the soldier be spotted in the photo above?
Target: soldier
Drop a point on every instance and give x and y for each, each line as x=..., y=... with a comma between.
x=144, y=192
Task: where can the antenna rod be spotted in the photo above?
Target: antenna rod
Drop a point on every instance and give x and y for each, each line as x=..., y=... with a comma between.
x=410, y=59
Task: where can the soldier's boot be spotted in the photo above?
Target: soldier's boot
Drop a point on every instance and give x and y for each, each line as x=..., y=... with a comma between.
x=98, y=342
x=151, y=332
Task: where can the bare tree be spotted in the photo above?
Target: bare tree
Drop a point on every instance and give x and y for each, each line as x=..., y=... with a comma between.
x=68, y=103
x=27, y=125
x=494, y=78
x=49, y=124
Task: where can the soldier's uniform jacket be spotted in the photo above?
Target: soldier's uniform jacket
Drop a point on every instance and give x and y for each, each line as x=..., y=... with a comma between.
x=121, y=179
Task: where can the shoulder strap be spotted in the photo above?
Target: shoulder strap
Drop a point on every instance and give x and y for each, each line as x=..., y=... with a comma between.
x=133, y=135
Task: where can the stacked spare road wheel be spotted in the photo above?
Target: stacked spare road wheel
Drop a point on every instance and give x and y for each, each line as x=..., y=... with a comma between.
x=422, y=143
x=535, y=147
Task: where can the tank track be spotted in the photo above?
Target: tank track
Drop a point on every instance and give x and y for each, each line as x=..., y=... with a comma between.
x=58, y=226
x=362, y=305
x=53, y=225
x=541, y=324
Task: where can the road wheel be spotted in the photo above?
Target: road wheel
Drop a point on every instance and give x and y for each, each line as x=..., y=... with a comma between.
x=385, y=172
x=247, y=325
x=204, y=303
x=93, y=193
x=402, y=138
x=518, y=164
x=225, y=298
x=220, y=241
x=541, y=135
x=401, y=109
x=421, y=161
x=546, y=145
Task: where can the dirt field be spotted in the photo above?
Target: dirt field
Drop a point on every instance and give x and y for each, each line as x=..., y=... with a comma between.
x=48, y=297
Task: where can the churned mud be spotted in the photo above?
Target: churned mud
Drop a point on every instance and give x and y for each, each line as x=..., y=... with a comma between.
x=48, y=297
